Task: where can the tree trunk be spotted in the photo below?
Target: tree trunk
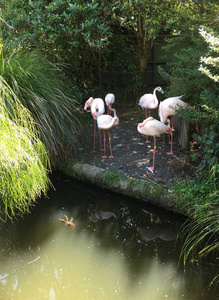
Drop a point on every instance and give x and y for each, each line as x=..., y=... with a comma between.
x=144, y=53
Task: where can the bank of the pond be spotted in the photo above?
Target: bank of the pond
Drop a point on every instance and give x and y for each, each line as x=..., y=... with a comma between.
x=127, y=171
x=145, y=190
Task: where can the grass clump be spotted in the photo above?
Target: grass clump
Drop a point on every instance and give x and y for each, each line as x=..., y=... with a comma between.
x=44, y=91
x=194, y=196
x=24, y=159
x=200, y=201
x=200, y=235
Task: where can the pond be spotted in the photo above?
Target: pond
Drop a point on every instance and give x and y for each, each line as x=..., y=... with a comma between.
x=120, y=248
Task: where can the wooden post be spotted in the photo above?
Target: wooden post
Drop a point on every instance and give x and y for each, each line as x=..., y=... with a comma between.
x=182, y=132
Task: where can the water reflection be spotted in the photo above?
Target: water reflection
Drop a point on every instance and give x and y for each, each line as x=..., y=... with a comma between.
x=116, y=250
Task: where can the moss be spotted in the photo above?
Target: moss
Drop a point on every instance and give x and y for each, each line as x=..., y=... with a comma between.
x=157, y=191
x=135, y=182
x=72, y=173
x=112, y=177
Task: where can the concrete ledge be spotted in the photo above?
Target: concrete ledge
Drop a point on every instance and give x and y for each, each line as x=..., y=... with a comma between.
x=145, y=190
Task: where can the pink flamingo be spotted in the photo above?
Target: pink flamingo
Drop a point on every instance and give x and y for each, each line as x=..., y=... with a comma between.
x=106, y=122
x=154, y=128
x=109, y=99
x=96, y=105
x=150, y=101
x=168, y=108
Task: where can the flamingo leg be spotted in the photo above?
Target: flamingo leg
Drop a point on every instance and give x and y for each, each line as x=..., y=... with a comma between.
x=104, y=156
x=171, y=147
x=147, y=141
x=111, y=156
x=163, y=140
x=152, y=168
x=100, y=141
x=171, y=139
x=94, y=137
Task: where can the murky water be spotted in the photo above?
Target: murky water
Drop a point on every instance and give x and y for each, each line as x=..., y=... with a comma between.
x=118, y=249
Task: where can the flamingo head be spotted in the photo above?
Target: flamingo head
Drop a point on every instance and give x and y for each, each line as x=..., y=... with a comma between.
x=159, y=89
x=88, y=103
x=116, y=121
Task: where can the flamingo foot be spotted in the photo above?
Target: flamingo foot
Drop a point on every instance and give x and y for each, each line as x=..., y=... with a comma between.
x=163, y=142
x=151, y=169
x=101, y=150
x=104, y=156
x=93, y=151
x=170, y=153
x=111, y=156
x=147, y=141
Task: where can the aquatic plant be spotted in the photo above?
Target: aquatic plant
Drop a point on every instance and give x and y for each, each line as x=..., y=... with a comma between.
x=24, y=161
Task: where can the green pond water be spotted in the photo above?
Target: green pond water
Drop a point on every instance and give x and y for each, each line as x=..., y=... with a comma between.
x=119, y=249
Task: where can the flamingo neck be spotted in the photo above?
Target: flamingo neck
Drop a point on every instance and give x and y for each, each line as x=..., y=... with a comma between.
x=155, y=96
x=114, y=111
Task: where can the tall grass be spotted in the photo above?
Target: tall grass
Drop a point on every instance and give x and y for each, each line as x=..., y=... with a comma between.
x=200, y=234
x=23, y=157
x=43, y=90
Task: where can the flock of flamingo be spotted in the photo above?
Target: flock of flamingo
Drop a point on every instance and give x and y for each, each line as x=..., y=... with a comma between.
x=149, y=127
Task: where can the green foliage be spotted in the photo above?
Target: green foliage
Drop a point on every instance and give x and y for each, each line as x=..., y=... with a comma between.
x=191, y=195
x=112, y=177
x=39, y=85
x=200, y=234
x=212, y=61
x=199, y=199
x=23, y=157
x=96, y=38
x=187, y=76
x=184, y=74
x=210, y=141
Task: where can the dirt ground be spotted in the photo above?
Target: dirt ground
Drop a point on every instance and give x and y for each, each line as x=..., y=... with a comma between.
x=132, y=155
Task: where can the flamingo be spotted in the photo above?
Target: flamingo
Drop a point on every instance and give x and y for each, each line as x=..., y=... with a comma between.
x=168, y=108
x=155, y=128
x=106, y=122
x=96, y=104
x=150, y=101
x=109, y=99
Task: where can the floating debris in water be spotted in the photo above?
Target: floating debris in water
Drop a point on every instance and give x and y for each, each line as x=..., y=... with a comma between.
x=68, y=223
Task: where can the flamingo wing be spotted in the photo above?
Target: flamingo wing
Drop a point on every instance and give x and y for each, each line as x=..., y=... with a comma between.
x=152, y=127
x=97, y=107
x=147, y=101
